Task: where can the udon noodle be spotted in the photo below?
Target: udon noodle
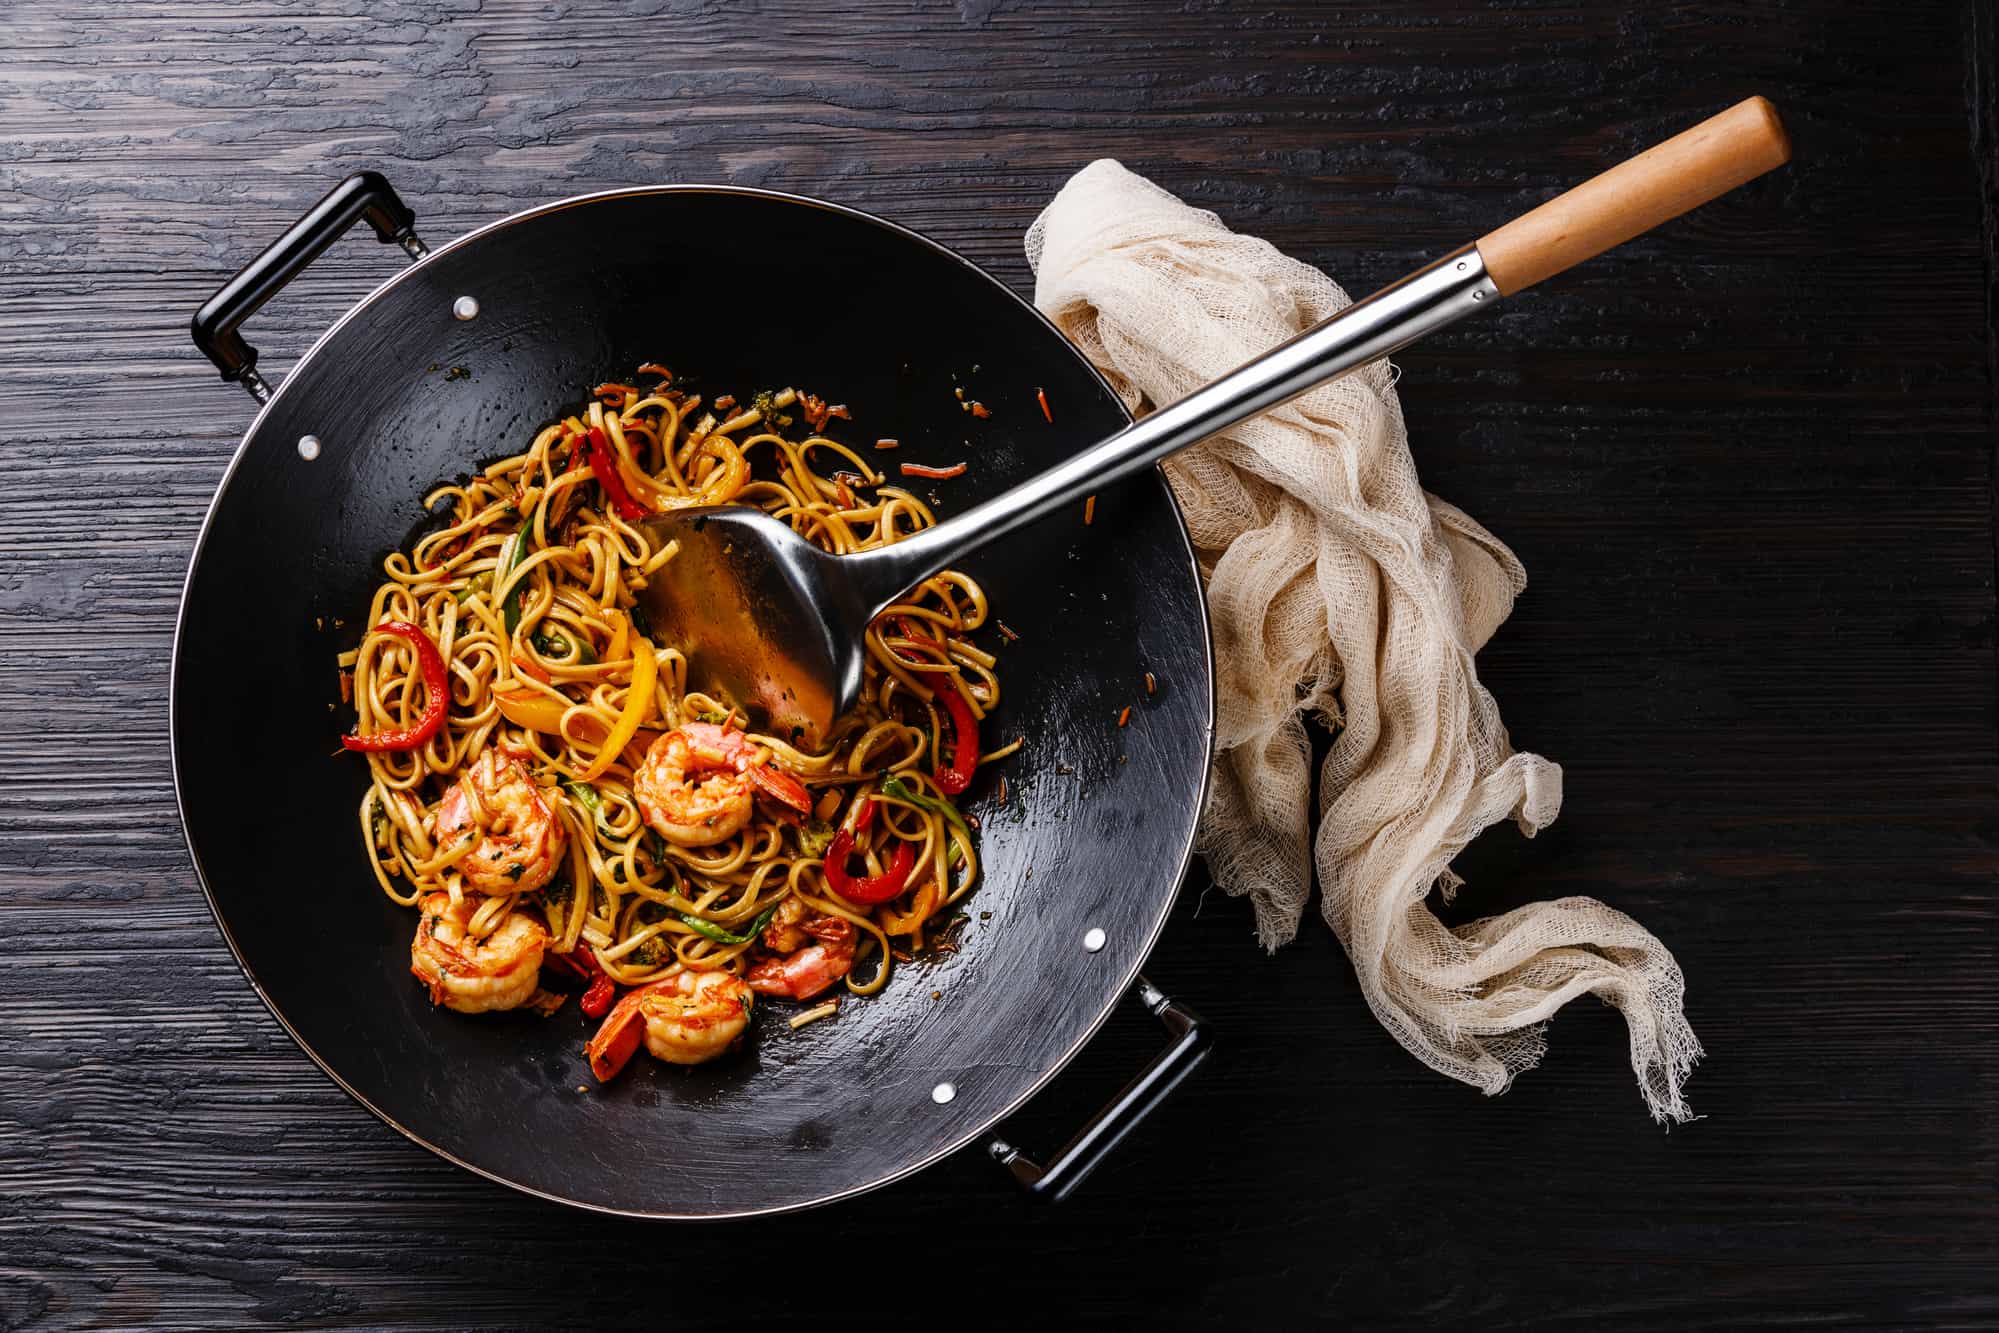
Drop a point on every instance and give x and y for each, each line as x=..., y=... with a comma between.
x=577, y=809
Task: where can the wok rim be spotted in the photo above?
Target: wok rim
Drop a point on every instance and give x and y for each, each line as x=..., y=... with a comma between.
x=950, y=1146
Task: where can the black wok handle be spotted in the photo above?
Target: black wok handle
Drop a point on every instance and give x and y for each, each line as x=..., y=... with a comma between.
x=366, y=195
x=1080, y=1155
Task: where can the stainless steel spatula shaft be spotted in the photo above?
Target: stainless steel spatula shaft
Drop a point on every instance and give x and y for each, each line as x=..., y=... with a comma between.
x=773, y=623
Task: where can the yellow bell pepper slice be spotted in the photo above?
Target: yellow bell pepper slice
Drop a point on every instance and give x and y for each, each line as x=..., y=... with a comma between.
x=621, y=630
x=536, y=712
x=638, y=707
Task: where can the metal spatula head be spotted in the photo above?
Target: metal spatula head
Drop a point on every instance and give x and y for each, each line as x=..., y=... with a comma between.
x=767, y=621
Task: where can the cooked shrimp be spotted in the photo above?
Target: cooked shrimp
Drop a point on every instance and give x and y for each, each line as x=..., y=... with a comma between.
x=803, y=974
x=786, y=931
x=688, y=1018
x=520, y=839
x=499, y=971
x=698, y=785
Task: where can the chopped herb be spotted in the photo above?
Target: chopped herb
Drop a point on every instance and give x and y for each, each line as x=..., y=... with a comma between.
x=586, y=796
x=510, y=555
x=815, y=837
x=894, y=786
x=479, y=586
x=515, y=871
x=651, y=952
x=709, y=930
x=558, y=644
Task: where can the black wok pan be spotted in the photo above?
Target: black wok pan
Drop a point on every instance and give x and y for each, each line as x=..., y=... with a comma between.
x=743, y=290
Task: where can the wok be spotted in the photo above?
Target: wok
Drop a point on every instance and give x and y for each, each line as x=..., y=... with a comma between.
x=741, y=290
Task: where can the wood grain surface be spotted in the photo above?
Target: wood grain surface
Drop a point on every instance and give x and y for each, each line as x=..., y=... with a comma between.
x=1748, y=462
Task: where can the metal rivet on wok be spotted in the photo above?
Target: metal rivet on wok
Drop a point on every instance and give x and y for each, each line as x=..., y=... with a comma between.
x=943, y=1093
x=1463, y=265
x=308, y=447
x=1478, y=296
x=465, y=307
x=1093, y=939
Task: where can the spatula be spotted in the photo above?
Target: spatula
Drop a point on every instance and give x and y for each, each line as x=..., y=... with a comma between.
x=772, y=623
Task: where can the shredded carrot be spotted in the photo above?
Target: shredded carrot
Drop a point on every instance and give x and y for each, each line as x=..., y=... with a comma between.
x=527, y=666
x=981, y=411
x=1125, y=716
x=346, y=687
x=888, y=444
x=817, y=411
x=1089, y=511
x=654, y=368
x=726, y=403
x=1006, y=632
x=612, y=389
x=1042, y=394
x=1150, y=684
x=933, y=473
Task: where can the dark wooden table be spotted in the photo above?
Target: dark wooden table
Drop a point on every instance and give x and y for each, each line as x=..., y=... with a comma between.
x=1748, y=462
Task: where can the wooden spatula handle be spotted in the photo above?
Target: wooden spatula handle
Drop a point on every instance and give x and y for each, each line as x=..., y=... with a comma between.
x=1662, y=182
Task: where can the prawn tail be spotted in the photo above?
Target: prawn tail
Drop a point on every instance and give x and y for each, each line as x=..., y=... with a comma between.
x=781, y=787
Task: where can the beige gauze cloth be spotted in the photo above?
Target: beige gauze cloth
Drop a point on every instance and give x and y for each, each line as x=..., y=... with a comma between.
x=1339, y=588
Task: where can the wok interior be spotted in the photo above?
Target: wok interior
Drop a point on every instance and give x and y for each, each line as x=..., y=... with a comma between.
x=736, y=292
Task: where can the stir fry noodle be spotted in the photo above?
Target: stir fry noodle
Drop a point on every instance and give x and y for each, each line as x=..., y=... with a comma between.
x=556, y=803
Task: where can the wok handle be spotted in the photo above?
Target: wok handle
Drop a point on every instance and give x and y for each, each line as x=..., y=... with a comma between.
x=1080, y=1155
x=366, y=195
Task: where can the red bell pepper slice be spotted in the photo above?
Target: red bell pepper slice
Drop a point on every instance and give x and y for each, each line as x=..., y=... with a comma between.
x=437, y=694
x=866, y=888
x=606, y=469
x=957, y=776
x=597, y=997
x=954, y=777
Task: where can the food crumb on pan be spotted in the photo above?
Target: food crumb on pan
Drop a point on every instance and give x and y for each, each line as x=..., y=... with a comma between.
x=813, y=1015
